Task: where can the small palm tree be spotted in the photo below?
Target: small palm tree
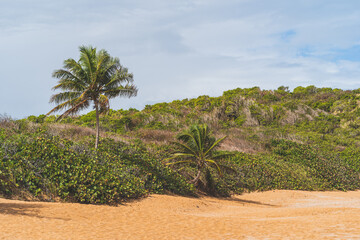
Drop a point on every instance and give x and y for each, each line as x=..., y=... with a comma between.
x=95, y=78
x=196, y=146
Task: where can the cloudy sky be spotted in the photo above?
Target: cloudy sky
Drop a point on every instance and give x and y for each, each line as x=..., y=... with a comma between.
x=178, y=48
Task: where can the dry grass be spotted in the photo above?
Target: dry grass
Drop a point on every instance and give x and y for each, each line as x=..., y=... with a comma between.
x=303, y=112
x=156, y=136
x=74, y=132
x=7, y=123
x=233, y=143
x=70, y=131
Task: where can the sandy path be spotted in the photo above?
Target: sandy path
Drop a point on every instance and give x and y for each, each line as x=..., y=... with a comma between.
x=267, y=215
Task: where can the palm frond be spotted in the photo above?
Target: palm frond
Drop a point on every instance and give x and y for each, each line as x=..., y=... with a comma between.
x=196, y=132
x=185, y=149
x=222, y=156
x=184, y=155
x=215, y=164
x=64, y=96
x=102, y=63
x=76, y=69
x=190, y=140
x=109, y=70
x=214, y=145
x=183, y=161
x=87, y=60
x=128, y=90
x=61, y=106
x=75, y=109
x=117, y=75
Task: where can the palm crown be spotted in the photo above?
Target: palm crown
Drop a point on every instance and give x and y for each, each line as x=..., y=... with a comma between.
x=196, y=146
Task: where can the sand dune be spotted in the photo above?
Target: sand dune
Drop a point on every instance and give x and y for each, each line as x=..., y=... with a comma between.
x=266, y=215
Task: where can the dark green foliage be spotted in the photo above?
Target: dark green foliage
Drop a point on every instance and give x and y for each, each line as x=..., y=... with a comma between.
x=292, y=166
x=333, y=171
x=324, y=123
x=39, y=119
x=159, y=177
x=48, y=167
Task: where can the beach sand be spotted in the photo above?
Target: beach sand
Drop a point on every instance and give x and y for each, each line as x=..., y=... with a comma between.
x=262, y=215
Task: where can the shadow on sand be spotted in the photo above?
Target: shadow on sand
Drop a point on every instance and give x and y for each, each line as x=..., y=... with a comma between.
x=243, y=201
x=30, y=210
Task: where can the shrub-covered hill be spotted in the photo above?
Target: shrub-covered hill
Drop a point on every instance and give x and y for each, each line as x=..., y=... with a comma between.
x=305, y=139
x=250, y=117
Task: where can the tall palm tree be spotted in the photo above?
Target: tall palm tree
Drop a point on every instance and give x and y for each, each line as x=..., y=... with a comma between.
x=95, y=78
x=196, y=146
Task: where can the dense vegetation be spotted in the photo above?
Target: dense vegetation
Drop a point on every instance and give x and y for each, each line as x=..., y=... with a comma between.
x=306, y=139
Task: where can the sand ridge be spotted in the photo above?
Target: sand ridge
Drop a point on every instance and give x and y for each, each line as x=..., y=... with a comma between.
x=277, y=214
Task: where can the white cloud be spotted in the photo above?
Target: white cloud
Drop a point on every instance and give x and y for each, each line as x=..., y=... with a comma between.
x=178, y=49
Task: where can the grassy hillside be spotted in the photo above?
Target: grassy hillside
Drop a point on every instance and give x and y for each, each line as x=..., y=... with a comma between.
x=305, y=139
x=250, y=113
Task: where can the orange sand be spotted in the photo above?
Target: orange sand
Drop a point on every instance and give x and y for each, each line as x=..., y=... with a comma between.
x=266, y=215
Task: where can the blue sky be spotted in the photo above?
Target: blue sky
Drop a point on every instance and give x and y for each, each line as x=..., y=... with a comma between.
x=177, y=48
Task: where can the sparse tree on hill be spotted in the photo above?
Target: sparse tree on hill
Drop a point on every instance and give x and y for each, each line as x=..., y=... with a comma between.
x=95, y=78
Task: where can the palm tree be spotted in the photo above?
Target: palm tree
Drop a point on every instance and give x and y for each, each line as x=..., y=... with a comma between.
x=95, y=78
x=196, y=146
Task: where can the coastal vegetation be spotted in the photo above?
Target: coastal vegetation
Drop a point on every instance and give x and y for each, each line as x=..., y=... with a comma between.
x=304, y=139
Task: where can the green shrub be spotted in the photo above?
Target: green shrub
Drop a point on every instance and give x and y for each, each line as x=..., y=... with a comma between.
x=49, y=167
x=332, y=170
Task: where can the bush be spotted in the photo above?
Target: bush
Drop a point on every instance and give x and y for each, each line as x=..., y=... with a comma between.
x=333, y=171
x=49, y=167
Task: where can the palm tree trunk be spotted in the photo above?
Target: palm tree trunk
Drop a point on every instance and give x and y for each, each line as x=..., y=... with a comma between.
x=196, y=179
x=97, y=125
